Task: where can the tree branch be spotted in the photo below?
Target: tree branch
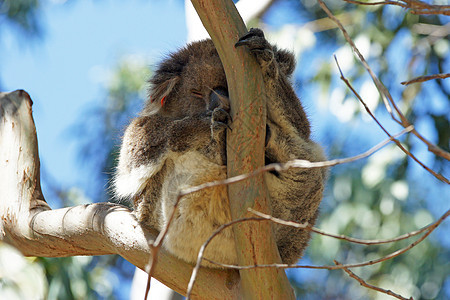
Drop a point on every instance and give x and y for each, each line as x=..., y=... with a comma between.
x=426, y=78
x=370, y=286
x=245, y=150
x=427, y=231
x=389, y=102
x=406, y=151
x=416, y=7
x=28, y=223
x=249, y=9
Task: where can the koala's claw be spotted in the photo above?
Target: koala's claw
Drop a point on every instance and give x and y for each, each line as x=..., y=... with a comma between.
x=219, y=120
x=259, y=46
x=257, y=43
x=217, y=126
x=220, y=115
x=254, y=39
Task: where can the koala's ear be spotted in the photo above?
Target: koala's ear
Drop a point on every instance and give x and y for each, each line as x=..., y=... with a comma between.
x=167, y=76
x=286, y=61
x=160, y=91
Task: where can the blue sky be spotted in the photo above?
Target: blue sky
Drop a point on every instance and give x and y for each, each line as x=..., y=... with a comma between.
x=78, y=38
x=83, y=36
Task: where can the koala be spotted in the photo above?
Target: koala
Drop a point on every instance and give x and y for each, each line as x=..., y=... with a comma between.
x=179, y=140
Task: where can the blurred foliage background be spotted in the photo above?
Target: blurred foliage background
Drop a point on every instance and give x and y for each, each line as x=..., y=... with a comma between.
x=382, y=196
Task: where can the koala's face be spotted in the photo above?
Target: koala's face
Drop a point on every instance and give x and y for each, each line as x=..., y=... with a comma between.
x=189, y=82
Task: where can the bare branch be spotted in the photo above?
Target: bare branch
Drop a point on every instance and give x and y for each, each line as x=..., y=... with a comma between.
x=426, y=78
x=439, y=176
x=278, y=167
x=306, y=226
x=388, y=101
x=265, y=217
x=156, y=245
x=28, y=223
x=203, y=247
x=384, y=93
x=296, y=163
x=416, y=7
x=429, y=229
x=370, y=286
x=281, y=167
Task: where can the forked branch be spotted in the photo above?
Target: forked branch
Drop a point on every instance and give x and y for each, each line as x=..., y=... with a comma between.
x=389, y=102
x=29, y=224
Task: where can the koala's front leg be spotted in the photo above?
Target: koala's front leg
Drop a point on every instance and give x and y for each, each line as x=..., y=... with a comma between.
x=283, y=106
x=188, y=133
x=204, y=133
x=284, y=110
x=142, y=154
x=288, y=133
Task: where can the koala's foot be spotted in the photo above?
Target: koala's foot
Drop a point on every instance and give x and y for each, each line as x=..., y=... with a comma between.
x=261, y=48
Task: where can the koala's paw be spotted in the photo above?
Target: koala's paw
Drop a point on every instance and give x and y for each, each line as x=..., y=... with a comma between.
x=219, y=121
x=260, y=47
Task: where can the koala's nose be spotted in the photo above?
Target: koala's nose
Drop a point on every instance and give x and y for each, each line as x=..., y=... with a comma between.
x=219, y=99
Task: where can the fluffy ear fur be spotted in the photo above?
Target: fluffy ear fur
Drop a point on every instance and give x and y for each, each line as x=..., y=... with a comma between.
x=286, y=61
x=164, y=82
x=160, y=92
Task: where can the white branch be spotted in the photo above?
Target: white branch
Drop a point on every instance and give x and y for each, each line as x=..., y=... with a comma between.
x=29, y=224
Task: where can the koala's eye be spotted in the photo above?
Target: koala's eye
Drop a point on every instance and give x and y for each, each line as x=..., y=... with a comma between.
x=197, y=94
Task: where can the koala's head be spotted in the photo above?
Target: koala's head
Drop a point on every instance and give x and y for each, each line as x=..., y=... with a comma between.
x=188, y=82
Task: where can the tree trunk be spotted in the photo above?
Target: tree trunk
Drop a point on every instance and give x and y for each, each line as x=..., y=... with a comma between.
x=255, y=241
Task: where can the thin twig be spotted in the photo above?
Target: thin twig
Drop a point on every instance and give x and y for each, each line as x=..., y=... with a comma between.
x=426, y=78
x=156, y=245
x=203, y=247
x=265, y=217
x=428, y=231
x=439, y=176
x=296, y=163
x=416, y=7
x=306, y=226
x=370, y=286
x=388, y=101
x=299, y=163
x=385, y=96
x=274, y=166
x=150, y=267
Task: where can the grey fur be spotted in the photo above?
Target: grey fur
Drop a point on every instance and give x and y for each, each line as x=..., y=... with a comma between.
x=182, y=143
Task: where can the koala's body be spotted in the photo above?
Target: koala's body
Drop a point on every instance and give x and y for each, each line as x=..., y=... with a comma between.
x=179, y=140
